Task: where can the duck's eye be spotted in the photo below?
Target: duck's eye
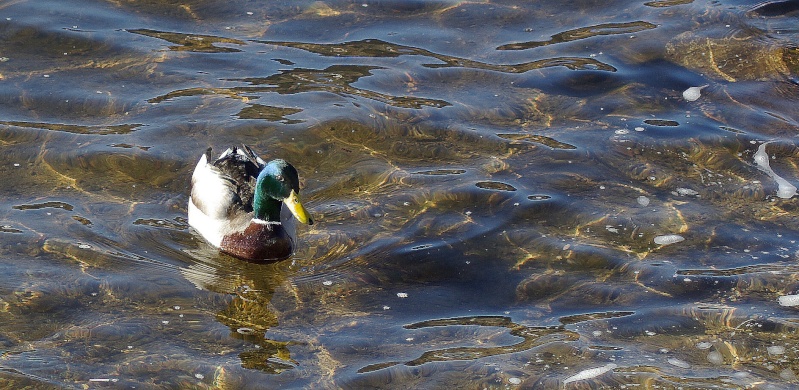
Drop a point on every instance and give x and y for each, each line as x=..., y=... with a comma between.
x=279, y=177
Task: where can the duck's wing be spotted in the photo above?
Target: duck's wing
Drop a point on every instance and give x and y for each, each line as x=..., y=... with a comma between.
x=241, y=166
x=224, y=187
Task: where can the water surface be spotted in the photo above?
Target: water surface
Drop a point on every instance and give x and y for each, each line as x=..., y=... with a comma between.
x=507, y=194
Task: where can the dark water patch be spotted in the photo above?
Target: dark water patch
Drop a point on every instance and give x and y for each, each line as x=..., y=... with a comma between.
x=36, y=50
x=76, y=129
x=37, y=206
x=442, y=172
x=82, y=220
x=304, y=80
x=481, y=321
x=667, y=3
x=662, y=122
x=337, y=79
x=583, y=33
x=129, y=146
x=195, y=92
x=269, y=113
x=776, y=8
x=193, y=42
x=378, y=48
x=495, y=185
x=412, y=7
x=540, y=139
x=364, y=48
x=9, y=229
x=583, y=84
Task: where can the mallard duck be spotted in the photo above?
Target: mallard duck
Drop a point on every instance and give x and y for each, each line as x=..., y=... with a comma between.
x=236, y=199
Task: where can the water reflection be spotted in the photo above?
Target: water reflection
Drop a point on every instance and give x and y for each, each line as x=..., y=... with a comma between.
x=378, y=48
x=248, y=314
x=583, y=33
x=195, y=43
x=532, y=338
x=335, y=79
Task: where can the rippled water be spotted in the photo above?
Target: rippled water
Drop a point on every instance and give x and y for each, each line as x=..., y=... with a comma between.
x=507, y=194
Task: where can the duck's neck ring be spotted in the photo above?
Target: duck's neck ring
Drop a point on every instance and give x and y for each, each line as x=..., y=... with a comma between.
x=263, y=222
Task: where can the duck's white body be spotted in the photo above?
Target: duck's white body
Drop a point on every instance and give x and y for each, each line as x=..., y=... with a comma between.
x=212, y=209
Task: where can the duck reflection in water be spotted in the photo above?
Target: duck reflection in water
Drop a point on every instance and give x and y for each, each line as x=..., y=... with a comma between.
x=248, y=314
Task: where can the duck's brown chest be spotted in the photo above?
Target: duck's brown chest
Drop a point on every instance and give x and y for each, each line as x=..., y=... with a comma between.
x=259, y=242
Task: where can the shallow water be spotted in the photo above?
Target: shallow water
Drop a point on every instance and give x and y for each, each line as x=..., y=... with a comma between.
x=506, y=194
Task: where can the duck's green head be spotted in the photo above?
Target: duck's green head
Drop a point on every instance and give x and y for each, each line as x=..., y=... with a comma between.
x=278, y=182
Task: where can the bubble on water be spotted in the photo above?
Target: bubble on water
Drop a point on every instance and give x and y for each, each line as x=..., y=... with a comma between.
x=776, y=350
x=589, y=373
x=693, y=93
x=643, y=201
x=785, y=190
x=84, y=246
x=788, y=300
x=678, y=363
x=402, y=295
x=703, y=345
x=199, y=376
x=514, y=381
x=327, y=283
x=788, y=375
x=668, y=239
x=245, y=331
x=686, y=192
x=715, y=357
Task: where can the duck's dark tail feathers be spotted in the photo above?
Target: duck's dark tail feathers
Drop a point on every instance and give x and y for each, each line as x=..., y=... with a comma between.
x=250, y=154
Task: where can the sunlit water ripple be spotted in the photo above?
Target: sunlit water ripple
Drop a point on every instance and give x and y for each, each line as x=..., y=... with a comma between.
x=506, y=194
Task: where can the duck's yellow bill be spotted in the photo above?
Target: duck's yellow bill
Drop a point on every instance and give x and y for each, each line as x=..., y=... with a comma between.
x=296, y=208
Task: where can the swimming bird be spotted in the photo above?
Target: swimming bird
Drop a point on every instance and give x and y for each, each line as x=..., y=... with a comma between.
x=236, y=200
